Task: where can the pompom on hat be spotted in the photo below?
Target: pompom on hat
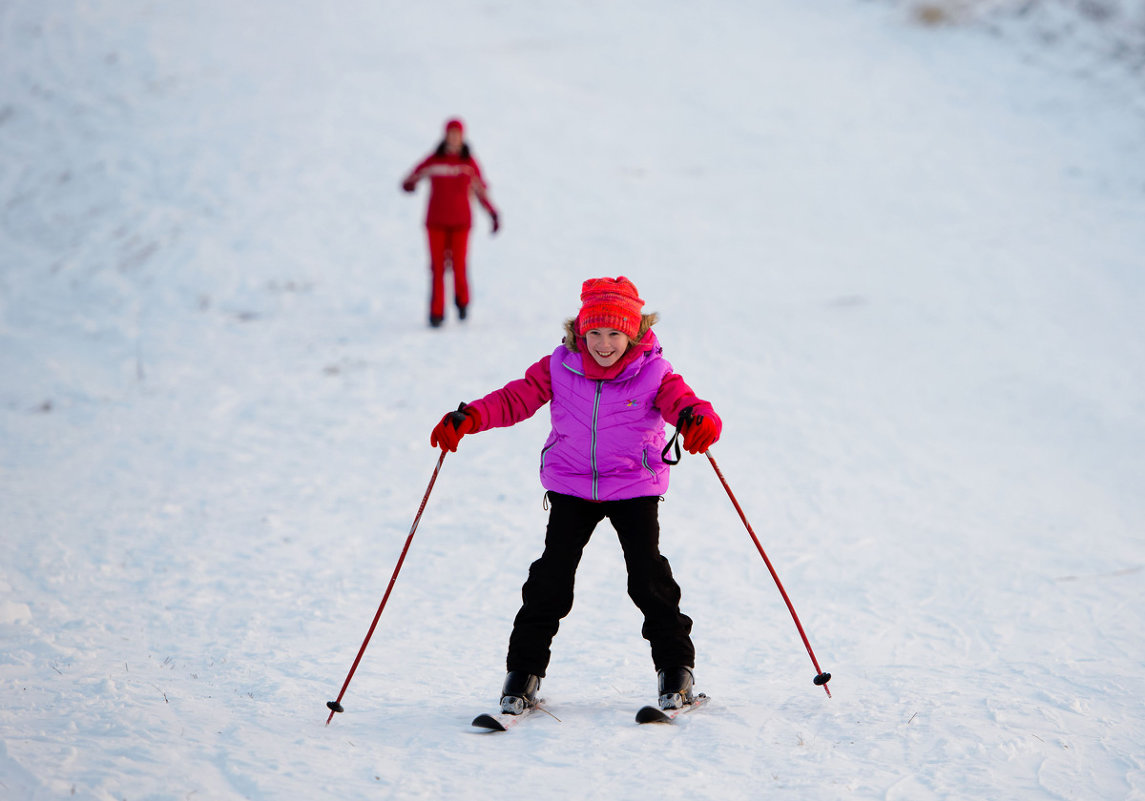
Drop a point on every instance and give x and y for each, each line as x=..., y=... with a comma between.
x=609, y=303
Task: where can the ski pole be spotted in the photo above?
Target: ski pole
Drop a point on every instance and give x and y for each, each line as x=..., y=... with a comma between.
x=336, y=705
x=821, y=678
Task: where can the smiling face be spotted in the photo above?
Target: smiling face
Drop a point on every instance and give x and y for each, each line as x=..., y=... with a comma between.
x=606, y=345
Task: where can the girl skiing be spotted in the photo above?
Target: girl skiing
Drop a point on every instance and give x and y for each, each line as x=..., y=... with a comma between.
x=611, y=392
x=453, y=173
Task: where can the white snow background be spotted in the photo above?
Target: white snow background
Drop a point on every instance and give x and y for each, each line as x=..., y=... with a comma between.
x=904, y=262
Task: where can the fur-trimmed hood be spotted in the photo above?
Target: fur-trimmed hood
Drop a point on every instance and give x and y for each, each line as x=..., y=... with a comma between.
x=573, y=340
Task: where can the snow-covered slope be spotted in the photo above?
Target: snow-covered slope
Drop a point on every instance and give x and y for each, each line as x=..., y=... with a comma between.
x=1099, y=39
x=904, y=263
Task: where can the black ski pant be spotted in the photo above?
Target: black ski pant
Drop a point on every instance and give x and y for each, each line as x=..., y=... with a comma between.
x=548, y=592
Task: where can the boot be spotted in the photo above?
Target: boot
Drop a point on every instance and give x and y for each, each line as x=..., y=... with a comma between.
x=519, y=692
x=676, y=687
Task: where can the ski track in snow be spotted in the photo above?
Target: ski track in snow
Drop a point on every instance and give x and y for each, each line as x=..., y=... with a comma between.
x=904, y=263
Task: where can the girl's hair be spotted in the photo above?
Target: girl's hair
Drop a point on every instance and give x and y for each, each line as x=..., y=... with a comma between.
x=572, y=339
x=463, y=155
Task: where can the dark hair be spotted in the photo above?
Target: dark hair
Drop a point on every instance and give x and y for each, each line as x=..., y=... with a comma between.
x=464, y=154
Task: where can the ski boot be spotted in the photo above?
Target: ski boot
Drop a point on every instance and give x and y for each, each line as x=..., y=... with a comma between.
x=519, y=692
x=676, y=687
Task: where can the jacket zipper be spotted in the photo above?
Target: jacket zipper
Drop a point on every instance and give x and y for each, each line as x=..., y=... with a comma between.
x=592, y=450
x=648, y=467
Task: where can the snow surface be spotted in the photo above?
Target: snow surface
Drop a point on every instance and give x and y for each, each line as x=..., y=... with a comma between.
x=904, y=262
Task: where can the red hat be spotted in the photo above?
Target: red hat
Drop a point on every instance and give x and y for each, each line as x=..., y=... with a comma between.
x=454, y=123
x=609, y=303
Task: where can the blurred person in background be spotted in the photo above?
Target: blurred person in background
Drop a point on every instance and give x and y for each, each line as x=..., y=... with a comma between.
x=453, y=175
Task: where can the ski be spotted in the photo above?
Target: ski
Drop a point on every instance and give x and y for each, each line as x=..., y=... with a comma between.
x=650, y=714
x=502, y=721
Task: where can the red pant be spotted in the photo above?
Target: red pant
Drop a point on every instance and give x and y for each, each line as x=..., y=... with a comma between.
x=447, y=245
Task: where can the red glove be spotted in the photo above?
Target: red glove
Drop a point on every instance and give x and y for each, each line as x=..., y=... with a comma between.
x=409, y=184
x=453, y=427
x=701, y=432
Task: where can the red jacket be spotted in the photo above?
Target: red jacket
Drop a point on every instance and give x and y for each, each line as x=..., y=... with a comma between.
x=451, y=179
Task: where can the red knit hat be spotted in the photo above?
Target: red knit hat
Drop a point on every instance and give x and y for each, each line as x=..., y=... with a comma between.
x=454, y=123
x=609, y=303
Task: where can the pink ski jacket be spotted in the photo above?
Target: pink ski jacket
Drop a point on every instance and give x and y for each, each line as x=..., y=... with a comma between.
x=607, y=425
